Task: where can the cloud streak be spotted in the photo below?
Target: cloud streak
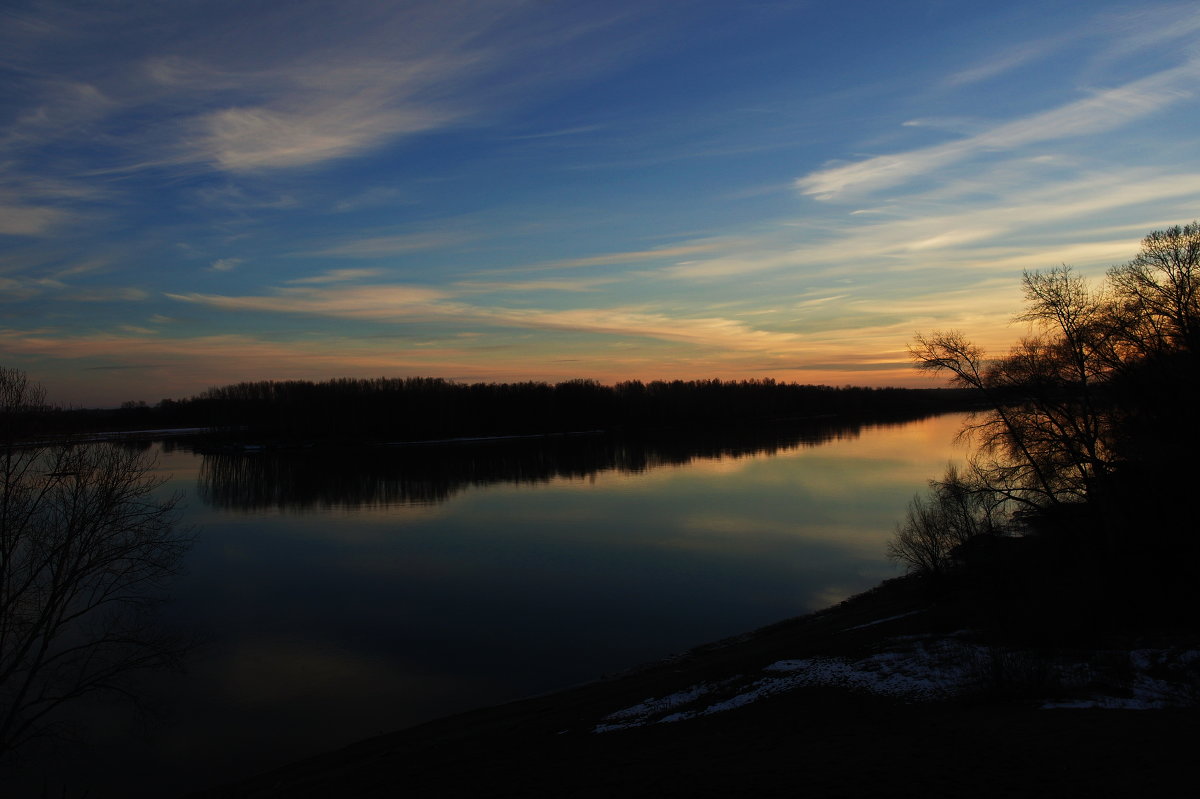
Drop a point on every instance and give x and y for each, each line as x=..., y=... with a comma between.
x=525, y=286
x=249, y=139
x=617, y=258
x=384, y=246
x=927, y=234
x=30, y=220
x=407, y=303
x=999, y=64
x=361, y=302
x=338, y=276
x=1103, y=111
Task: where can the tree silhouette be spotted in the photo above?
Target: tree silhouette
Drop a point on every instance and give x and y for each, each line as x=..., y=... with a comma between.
x=936, y=526
x=85, y=550
x=1090, y=427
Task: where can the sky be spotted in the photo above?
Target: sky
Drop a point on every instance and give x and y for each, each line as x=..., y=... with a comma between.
x=199, y=193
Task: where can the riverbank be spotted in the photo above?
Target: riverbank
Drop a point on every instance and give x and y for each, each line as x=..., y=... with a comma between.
x=748, y=717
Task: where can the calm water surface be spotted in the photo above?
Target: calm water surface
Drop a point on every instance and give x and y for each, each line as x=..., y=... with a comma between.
x=338, y=595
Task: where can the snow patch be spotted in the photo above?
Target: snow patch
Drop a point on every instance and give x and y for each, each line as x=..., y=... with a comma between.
x=927, y=668
x=640, y=713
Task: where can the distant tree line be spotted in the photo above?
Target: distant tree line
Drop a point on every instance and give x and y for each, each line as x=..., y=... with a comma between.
x=423, y=408
x=1088, y=447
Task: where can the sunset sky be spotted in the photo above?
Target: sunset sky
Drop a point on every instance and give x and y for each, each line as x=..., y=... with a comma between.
x=199, y=193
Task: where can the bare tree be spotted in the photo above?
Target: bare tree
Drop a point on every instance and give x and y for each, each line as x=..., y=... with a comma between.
x=955, y=510
x=86, y=547
x=1008, y=454
x=1160, y=290
x=1100, y=394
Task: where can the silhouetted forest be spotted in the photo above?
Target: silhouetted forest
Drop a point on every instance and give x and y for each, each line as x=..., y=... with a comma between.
x=423, y=408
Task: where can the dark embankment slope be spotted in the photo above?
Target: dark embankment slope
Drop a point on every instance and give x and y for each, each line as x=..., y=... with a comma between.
x=814, y=741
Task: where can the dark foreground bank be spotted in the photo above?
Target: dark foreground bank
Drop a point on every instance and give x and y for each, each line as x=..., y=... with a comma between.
x=993, y=737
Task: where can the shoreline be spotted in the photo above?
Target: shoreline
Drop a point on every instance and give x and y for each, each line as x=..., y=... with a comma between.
x=554, y=745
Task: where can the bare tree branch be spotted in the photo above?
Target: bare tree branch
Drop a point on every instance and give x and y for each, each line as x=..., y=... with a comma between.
x=86, y=547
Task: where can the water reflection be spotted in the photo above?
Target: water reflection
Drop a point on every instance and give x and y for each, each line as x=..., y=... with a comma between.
x=345, y=594
x=425, y=474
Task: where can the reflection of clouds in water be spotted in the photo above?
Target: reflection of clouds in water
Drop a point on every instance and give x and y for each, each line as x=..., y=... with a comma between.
x=883, y=454
x=708, y=531
x=866, y=542
x=846, y=479
x=908, y=441
x=727, y=526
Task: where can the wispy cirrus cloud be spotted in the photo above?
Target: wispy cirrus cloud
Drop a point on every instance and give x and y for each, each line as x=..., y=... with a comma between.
x=61, y=107
x=523, y=286
x=337, y=276
x=617, y=258
x=225, y=264
x=138, y=345
x=369, y=198
x=105, y=294
x=346, y=84
x=252, y=138
x=624, y=321
x=180, y=366
x=24, y=287
x=998, y=64
x=83, y=267
x=383, y=246
x=1149, y=28
x=166, y=90
x=408, y=303
x=19, y=289
x=918, y=231
x=18, y=219
x=359, y=302
x=40, y=205
x=1103, y=111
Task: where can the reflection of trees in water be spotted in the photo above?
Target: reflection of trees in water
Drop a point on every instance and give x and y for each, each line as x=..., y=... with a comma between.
x=431, y=473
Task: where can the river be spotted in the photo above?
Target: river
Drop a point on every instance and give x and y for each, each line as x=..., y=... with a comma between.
x=335, y=595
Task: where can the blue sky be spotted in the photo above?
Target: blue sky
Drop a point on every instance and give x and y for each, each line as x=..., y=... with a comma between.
x=197, y=193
